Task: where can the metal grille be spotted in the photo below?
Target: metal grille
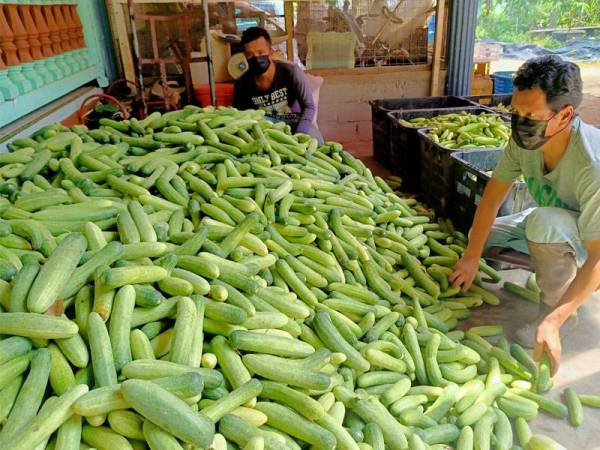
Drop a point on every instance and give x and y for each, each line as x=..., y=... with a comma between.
x=380, y=32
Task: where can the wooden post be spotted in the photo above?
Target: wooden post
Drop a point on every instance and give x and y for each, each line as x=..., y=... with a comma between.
x=41, y=26
x=34, y=42
x=122, y=34
x=49, y=58
x=438, y=40
x=35, y=45
x=20, y=33
x=288, y=12
x=57, y=48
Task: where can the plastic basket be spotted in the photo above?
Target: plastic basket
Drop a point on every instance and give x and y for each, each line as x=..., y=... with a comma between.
x=503, y=82
x=405, y=143
x=437, y=173
x=470, y=178
x=487, y=101
x=223, y=92
x=380, y=108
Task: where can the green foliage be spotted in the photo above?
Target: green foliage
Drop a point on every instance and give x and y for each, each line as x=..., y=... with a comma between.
x=511, y=20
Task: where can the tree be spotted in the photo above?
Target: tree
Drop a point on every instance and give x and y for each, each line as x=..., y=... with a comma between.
x=511, y=20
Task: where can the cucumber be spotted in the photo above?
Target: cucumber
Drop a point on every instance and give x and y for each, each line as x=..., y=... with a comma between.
x=168, y=412
x=334, y=340
x=286, y=420
x=83, y=307
x=158, y=439
x=68, y=436
x=299, y=402
x=141, y=348
x=482, y=433
x=127, y=424
x=55, y=273
x=184, y=331
x=285, y=371
x=548, y=405
x=50, y=418
x=372, y=410
x=23, y=282
x=12, y=347
x=239, y=431
x=223, y=312
x=146, y=296
x=120, y=324
x=465, y=440
x=443, y=403
x=166, y=308
x=105, y=372
x=62, y=377
x=8, y=396
x=233, y=400
x=440, y=434
x=230, y=362
x=120, y=276
x=103, y=438
x=31, y=394
x=518, y=407
x=149, y=369
x=273, y=345
x=574, y=407
x=541, y=442
x=37, y=326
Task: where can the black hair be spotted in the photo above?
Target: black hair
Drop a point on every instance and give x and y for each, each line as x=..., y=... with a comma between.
x=254, y=33
x=559, y=79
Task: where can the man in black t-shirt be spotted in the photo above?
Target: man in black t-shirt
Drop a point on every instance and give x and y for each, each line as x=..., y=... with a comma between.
x=279, y=88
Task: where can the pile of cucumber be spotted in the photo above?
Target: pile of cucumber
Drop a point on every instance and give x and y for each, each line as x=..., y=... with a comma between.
x=482, y=133
x=464, y=130
x=205, y=279
x=457, y=119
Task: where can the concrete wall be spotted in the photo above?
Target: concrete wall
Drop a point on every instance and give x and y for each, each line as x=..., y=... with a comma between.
x=344, y=110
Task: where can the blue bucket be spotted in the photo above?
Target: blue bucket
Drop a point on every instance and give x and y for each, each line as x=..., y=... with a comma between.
x=503, y=82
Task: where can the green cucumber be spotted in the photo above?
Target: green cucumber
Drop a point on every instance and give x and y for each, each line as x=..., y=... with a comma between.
x=169, y=412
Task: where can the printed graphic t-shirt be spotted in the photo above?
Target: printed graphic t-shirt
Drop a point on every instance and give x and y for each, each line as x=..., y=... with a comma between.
x=574, y=183
x=288, y=99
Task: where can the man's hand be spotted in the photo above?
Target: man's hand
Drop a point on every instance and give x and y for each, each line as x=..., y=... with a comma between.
x=464, y=272
x=547, y=340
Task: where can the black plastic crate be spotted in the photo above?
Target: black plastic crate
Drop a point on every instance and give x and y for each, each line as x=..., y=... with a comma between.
x=437, y=173
x=471, y=174
x=380, y=108
x=405, y=143
x=491, y=100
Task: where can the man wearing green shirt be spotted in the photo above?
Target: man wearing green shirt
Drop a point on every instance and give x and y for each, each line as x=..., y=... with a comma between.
x=559, y=156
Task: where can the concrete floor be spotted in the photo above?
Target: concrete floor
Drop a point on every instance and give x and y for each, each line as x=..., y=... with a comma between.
x=580, y=367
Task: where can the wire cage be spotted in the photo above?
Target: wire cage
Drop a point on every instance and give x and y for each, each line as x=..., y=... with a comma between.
x=378, y=33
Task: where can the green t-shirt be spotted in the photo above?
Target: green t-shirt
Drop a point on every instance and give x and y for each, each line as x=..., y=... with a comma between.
x=574, y=183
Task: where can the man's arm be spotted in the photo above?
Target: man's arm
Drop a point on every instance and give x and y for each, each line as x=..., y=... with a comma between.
x=305, y=99
x=465, y=270
x=583, y=286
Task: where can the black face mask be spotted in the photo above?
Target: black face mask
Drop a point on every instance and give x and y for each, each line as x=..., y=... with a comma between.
x=257, y=65
x=530, y=134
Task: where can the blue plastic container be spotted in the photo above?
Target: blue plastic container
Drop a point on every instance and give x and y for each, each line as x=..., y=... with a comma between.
x=503, y=82
x=431, y=29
